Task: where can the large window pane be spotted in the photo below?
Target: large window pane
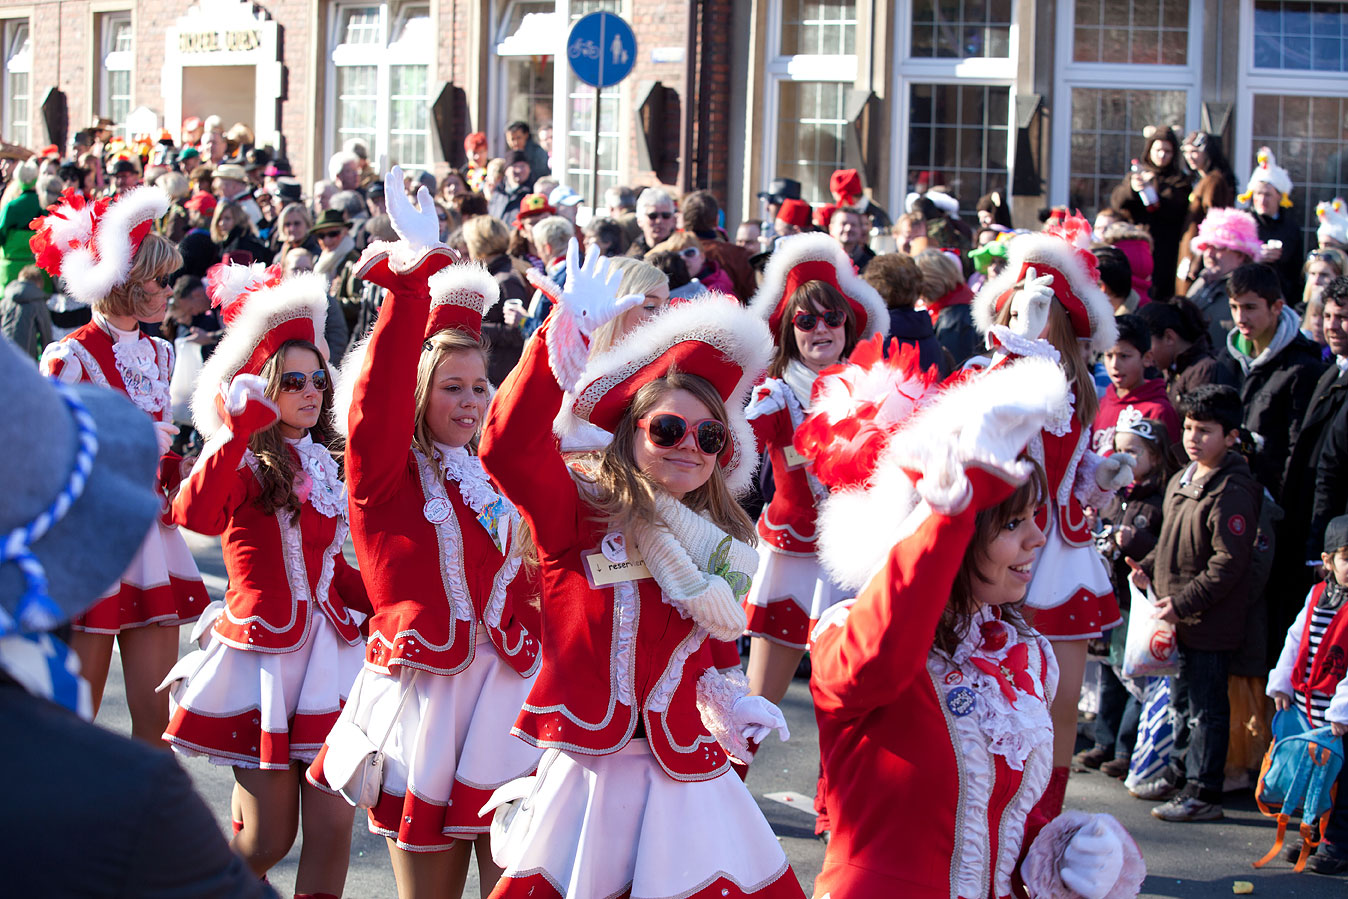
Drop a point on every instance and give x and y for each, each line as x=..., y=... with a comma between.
x=360, y=25
x=1107, y=128
x=1301, y=36
x=960, y=132
x=957, y=29
x=1150, y=32
x=819, y=27
x=811, y=129
x=357, y=103
x=119, y=96
x=1308, y=136
x=409, y=116
x=18, y=62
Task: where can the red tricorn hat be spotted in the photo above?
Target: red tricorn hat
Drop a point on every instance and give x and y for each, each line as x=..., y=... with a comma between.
x=816, y=257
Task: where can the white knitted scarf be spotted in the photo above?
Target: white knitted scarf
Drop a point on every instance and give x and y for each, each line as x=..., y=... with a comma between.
x=704, y=572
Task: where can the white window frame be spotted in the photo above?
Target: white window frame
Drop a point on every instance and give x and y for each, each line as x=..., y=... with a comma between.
x=841, y=69
x=382, y=55
x=1286, y=82
x=496, y=117
x=1129, y=76
x=20, y=62
x=971, y=71
x=110, y=59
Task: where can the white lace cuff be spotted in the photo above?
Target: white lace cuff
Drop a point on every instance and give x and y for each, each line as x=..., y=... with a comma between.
x=717, y=694
x=568, y=350
x=1043, y=862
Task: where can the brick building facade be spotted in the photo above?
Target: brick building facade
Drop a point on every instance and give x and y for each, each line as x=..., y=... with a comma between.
x=1042, y=100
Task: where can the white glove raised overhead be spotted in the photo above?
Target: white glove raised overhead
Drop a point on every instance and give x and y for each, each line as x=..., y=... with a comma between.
x=591, y=290
x=418, y=226
x=1115, y=471
x=1030, y=305
x=755, y=717
x=164, y=432
x=1092, y=860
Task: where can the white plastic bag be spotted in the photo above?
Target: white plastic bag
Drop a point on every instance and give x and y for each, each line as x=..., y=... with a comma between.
x=1152, y=647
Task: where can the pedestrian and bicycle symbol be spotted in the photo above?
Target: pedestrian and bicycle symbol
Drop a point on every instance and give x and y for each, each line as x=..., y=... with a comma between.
x=602, y=49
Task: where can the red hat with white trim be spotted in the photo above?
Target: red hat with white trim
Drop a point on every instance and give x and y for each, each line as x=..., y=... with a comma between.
x=262, y=312
x=712, y=337
x=92, y=246
x=1061, y=251
x=460, y=295
x=801, y=258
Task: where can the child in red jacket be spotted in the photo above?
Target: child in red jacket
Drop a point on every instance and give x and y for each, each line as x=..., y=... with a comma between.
x=1127, y=362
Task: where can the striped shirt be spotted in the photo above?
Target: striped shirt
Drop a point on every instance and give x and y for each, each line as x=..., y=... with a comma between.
x=1320, y=620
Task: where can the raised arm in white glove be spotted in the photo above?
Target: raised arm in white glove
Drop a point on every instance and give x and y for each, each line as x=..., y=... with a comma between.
x=418, y=226
x=591, y=290
x=755, y=717
x=1030, y=305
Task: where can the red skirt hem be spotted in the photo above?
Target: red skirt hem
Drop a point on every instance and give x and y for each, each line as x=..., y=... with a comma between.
x=1083, y=617
x=178, y=602
x=537, y=886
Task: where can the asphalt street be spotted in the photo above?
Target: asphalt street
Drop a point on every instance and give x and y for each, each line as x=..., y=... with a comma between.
x=1183, y=860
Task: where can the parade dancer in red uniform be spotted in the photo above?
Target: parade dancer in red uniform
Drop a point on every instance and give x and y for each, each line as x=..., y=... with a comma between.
x=450, y=659
x=1048, y=304
x=280, y=653
x=107, y=257
x=817, y=309
x=931, y=692
x=644, y=556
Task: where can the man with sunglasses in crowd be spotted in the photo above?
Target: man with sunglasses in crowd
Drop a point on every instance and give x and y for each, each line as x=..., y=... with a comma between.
x=655, y=217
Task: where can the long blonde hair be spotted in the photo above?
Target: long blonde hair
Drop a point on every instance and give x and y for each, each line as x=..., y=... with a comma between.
x=620, y=492
x=277, y=466
x=1072, y=355
x=435, y=350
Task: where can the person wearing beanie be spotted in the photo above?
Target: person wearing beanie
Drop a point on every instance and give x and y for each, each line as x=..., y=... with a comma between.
x=1333, y=230
x=1269, y=196
x=845, y=186
x=793, y=217
x=1227, y=239
x=19, y=206
x=1157, y=196
x=514, y=187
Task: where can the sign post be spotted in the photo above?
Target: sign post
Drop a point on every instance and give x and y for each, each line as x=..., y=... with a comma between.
x=602, y=49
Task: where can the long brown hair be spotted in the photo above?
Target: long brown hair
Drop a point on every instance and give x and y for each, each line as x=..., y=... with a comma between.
x=811, y=296
x=277, y=465
x=959, y=611
x=1072, y=358
x=435, y=350
x=620, y=492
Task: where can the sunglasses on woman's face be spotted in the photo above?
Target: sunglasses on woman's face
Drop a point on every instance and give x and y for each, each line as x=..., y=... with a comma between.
x=667, y=430
x=294, y=381
x=808, y=321
x=165, y=281
x=690, y=253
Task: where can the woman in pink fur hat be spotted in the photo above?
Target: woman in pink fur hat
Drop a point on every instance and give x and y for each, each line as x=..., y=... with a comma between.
x=1227, y=239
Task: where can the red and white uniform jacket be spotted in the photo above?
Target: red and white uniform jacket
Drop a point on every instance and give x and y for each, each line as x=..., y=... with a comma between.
x=434, y=540
x=787, y=524
x=1314, y=672
x=616, y=655
x=135, y=363
x=932, y=763
x=280, y=566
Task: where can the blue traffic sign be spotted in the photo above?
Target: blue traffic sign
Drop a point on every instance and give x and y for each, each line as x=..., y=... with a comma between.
x=602, y=49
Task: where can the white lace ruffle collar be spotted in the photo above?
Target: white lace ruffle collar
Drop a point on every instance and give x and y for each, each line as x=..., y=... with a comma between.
x=322, y=480
x=138, y=365
x=494, y=512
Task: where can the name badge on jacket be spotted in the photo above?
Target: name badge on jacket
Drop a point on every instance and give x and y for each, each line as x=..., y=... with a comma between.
x=614, y=562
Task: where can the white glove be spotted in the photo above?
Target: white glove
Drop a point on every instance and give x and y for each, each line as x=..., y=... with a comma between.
x=591, y=290
x=1115, y=471
x=755, y=717
x=164, y=432
x=1092, y=860
x=1002, y=432
x=768, y=399
x=418, y=226
x=1030, y=305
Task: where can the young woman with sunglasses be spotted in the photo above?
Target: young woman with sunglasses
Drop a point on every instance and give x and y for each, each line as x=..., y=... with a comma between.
x=817, y=310
x=689, y=248
x=280, y=653
x=108, y=259
x=644, y=556
x=451, y=654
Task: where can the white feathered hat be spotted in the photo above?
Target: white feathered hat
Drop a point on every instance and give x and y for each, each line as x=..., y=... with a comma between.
x=262, y=312
x=816, y=257
x=713, y=337
x=1267, y=171
x=1333, y=222
x=1062, y=252
x=92, y=246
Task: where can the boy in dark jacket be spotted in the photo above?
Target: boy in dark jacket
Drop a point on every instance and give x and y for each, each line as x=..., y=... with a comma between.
x=1199, y=572
x=1280, y=364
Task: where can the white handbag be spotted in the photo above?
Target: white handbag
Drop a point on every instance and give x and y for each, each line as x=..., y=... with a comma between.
x=353, y=764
